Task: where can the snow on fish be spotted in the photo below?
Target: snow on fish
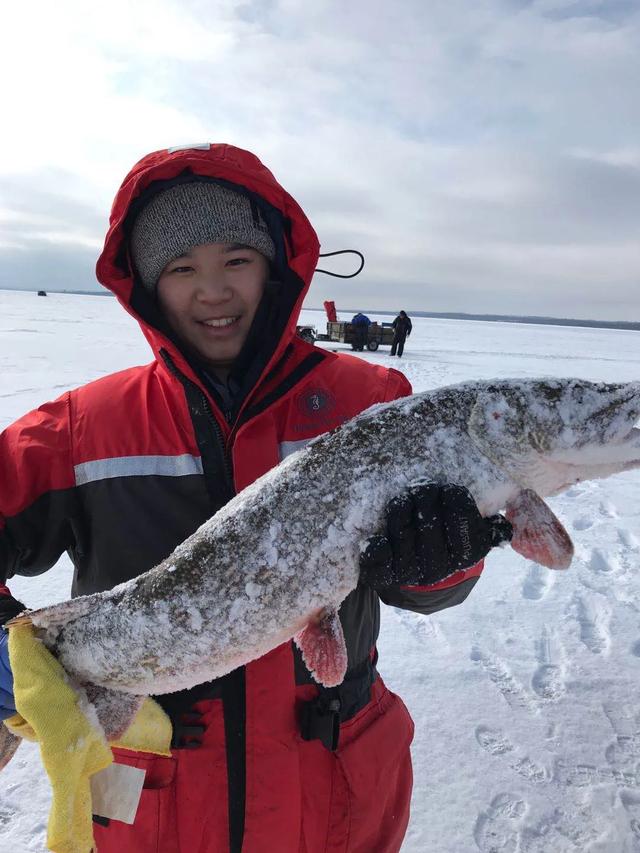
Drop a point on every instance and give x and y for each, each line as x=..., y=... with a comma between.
x=277, y=561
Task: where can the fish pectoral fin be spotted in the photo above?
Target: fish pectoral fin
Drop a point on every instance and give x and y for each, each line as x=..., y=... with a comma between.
x=537, y=533
x=115, y=710
x=324, y=651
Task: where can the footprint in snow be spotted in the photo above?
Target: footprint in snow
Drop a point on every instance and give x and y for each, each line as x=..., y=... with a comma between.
x=624, y=752
x=601, y=561
x=594, y=613
x=628, y=539
x=631, y=802
x=548, y=680
x=424, y=628
x=553, y=734
x=496, y=742
x=496, y=829
x=607, y=509
x=498, y=672
x=589, y=775
x=537, y=583
x=563, y=832
x=577, y=490
x=583, y=522
x=493, y=741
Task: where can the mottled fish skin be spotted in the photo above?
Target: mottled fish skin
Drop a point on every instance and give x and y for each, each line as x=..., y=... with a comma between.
x=287, y=548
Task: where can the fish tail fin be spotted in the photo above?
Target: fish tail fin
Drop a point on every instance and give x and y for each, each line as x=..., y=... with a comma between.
x=114, y=709
x=9, y=743
x=56, y=615
x=131, y=722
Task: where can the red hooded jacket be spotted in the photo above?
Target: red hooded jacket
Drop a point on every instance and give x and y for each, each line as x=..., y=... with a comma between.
x=120, y=471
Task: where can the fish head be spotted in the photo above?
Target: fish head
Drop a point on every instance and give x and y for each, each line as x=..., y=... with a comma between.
x=549, y=434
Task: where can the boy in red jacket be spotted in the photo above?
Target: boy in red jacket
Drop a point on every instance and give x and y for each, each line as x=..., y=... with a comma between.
x=213, y=258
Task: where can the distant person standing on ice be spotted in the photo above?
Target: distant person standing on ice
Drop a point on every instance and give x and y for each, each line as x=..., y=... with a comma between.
x=360, y=323
x=214, y=258
x=401, y=331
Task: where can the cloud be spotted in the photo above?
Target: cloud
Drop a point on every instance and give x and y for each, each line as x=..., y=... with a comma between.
x=46, y=266
x=480, y=154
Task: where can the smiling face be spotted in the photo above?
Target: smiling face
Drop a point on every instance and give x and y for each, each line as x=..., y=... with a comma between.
x=210, y=296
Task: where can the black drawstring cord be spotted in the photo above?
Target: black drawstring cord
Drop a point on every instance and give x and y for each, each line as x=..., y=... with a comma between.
x=343, y=252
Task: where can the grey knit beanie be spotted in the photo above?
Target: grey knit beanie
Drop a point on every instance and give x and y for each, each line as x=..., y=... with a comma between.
x=188, y=215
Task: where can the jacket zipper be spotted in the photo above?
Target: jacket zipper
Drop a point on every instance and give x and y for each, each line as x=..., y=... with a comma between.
x=192, y=388
x=233, y=684
x=225, y=446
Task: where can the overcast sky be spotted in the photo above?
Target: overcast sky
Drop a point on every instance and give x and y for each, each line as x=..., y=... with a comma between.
x=483, y=154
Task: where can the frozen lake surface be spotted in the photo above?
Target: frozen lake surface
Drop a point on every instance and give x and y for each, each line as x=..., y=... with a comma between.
x=526, y=698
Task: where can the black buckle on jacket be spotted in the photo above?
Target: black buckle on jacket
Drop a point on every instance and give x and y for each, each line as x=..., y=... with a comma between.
x=187, y=730
x=321, y=721
x=321, y=717
x=187, y=734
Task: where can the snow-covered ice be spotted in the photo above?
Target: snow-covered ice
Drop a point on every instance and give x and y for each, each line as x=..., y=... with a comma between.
x=526, y=697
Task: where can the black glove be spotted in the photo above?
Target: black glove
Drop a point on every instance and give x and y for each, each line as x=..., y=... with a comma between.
x=432, y=532
x=9, y=607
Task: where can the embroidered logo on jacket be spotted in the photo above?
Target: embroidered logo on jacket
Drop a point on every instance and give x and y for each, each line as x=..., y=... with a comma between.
x=316, y=401
x=318, y=409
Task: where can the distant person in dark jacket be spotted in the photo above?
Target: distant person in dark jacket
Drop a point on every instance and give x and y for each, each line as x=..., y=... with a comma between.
x=360, y=323
x=401, y=331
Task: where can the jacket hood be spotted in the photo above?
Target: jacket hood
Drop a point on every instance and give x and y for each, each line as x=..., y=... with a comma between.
x=297, y=243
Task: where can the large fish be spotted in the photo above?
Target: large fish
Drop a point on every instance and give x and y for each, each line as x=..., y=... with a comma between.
x=277, y=560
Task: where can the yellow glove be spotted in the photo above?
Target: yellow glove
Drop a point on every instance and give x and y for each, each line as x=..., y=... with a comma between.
x=72, y=749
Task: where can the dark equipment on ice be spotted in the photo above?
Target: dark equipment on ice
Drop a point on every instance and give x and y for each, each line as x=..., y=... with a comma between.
x=307, y=333
x=378, y=334
x=340, y=331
